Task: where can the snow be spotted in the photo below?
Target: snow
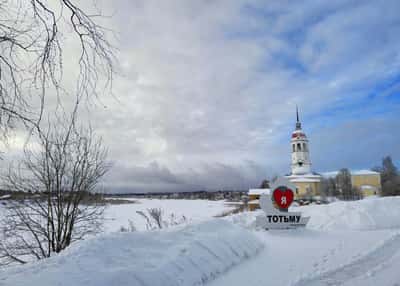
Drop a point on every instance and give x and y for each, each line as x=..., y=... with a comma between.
x=305, y=180
x=368, y=214
x=333, y=174
x=363, y=172
x=345, y=243
x=373, y=213
x=330, y=174
x=185, y=256
x=386, y=273
x=254, y=202
x=307, y=175
x=259, y=191
x=193, y=210
x=363, y=267
x=298, y=255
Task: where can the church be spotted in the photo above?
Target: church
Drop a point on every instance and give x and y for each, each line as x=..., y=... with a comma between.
x=307, y=182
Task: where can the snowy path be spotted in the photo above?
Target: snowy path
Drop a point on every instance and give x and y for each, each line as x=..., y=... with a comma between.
x=367, y=266
x=306, y=255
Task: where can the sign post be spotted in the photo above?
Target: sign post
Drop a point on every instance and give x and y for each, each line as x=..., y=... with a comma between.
x=276, y=207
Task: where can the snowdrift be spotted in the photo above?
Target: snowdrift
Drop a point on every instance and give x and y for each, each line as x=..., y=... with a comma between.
x=188, y=256
x=367, y=214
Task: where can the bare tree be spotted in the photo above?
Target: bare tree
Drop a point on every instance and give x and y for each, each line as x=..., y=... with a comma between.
x=264, y=184
x=328, y=187
x=343, y=183
x=155, y=219
x=390, y=177
x=63, y=174
x=36, y=37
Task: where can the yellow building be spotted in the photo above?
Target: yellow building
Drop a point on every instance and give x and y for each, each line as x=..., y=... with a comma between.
x=306, y=185
x=367, y=181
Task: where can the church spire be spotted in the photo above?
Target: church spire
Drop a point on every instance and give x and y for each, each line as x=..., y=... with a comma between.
x=298, y=124
x=301, y=163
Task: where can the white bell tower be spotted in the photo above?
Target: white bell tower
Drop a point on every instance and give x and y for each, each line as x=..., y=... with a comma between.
x=301, y=163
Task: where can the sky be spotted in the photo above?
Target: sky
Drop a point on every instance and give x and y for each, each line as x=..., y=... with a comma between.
x=206, y=91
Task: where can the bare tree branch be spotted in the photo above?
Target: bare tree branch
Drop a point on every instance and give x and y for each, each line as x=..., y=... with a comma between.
x=63, y=175
x=33, y=44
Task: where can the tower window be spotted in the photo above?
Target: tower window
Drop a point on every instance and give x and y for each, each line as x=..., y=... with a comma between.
x=298, y=147
x=294, y=147
x=304, y=147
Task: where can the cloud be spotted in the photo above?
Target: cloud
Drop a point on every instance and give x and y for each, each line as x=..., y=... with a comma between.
x=156, y=178
x=208, y=86
x=211, y=85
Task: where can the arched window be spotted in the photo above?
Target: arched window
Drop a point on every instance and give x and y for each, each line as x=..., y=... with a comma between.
x=298, y=146
x=294, y=147
x=304, y=147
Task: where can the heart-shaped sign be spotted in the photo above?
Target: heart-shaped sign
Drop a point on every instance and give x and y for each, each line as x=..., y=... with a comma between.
x=283, y=197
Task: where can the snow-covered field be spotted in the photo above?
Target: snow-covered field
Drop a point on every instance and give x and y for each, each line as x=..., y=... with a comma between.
x=193, y=210
x=345, y=243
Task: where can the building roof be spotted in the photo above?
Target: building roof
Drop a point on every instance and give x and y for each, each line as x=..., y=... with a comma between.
x=308, y=175
x=259, y=191
x=330, y=174
x=363, y=172
x=352, y=172
x=305, y=180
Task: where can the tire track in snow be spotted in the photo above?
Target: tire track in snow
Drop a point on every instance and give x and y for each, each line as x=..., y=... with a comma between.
x=366, y=265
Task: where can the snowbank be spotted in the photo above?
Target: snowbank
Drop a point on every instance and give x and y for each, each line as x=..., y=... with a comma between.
x=367, y=214
x=187, y=256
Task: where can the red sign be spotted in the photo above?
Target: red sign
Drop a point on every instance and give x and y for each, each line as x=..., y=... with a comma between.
x=283, y=197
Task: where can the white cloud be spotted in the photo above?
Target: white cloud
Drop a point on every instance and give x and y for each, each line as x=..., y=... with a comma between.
x=208, y=86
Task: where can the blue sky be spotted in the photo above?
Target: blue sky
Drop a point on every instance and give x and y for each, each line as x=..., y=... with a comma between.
x=209, y=90
x=206, y=92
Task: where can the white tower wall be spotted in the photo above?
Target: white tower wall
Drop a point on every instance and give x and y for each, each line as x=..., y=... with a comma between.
x=301, y=163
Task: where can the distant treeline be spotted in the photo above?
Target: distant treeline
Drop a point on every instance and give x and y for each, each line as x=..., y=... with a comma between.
x=192, y=195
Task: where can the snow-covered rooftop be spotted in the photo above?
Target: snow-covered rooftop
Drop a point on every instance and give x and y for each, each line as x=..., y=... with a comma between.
x=308, y=175
x=363, y=172
x=353, y=172
x=305, y=180
x=259, y=191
